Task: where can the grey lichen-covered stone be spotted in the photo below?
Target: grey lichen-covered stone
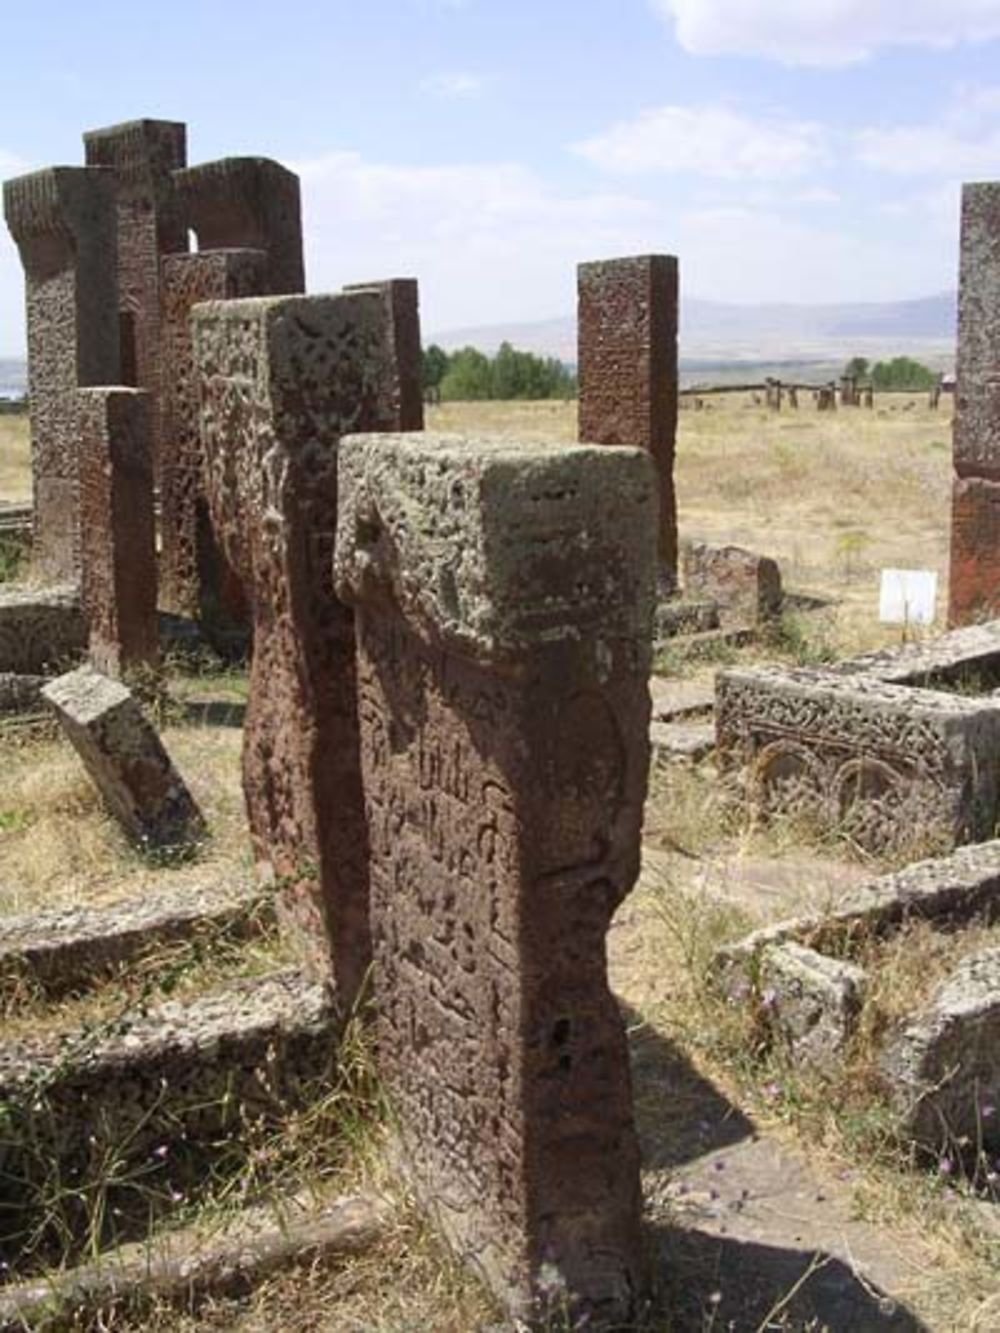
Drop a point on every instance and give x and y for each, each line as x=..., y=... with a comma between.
x=810, y=1002
x=41, y=629
x=943, y=1067
x=470, y=537
x=877, y=747
x=126, y=760
x=954, y=888
x=20, y=693
x=75, y=948
x=676, y=741
x=742, y=583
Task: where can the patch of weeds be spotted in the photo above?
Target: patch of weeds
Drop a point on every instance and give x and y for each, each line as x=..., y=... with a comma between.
x=15, y=821
x=13, y=559
x=805, y=640
x=849, y=547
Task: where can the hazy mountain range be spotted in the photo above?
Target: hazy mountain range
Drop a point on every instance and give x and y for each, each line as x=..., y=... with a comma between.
x=716, y=333
x=717, y=337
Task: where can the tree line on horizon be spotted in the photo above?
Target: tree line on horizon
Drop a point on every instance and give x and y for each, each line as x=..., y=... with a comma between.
x=902, y=372
x=469, y=375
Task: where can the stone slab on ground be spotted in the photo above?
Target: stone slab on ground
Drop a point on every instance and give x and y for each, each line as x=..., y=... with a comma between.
x=126, y=760
x=672, y=742
x=810, y=1002
x=943, y=1067
x=42, y=629
x=183, y=1267
x=675, y=617
x=21, y=693
x=75, y=948
x=677, y=699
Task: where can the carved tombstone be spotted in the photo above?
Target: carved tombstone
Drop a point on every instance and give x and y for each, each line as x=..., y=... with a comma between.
x=195, y=578
x=118, y=529
x=504, y=596
x=248, y=203
x=63, y=221
x=143, y=155
x=627, y=354
x=974, y=592
x=282, y=378
x=402, y=303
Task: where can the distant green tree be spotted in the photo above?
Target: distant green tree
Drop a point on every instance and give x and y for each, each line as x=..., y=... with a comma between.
x=468, y=378
x=902, y=372
x=857, y=368
x=435, y=366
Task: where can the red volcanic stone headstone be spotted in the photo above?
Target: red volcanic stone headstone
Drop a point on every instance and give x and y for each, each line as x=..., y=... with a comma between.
x=403, y=307
x=118, y=528
x=974, y=591
x=143, y=155
x=627, y=366
x=195, y=578
x=504, y=596
x=281, y=379
x=248, y=203
x=63, y=221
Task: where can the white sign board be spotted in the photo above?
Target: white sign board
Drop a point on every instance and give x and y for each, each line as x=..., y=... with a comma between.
x=908, y=597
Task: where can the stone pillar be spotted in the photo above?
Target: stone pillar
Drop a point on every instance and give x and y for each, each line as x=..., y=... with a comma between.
x=504, y=595
x=118, y=532
x=402, y=303
x=248, y=203
x=627, y=360
x=281, y=379
x=195, y=578
x=143, y=155
x=974, y=586
x=63, y=221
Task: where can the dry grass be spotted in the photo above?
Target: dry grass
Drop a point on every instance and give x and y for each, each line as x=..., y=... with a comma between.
x=834, y=498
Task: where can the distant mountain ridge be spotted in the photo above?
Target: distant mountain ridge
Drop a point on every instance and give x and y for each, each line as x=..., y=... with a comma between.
x=721, y=331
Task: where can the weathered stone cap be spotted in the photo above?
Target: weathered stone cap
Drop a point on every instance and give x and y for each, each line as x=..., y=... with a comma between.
x=495, y=545
x=59, y=200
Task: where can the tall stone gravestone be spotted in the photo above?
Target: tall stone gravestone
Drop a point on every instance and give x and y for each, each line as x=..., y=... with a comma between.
x=627, y=365
x=281, y=379
x=504, y=596
x=143, y=155
x=63, y=221
x=974, y=592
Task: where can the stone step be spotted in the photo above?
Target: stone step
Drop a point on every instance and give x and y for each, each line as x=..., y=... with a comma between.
x=109, y=1127
x=685, y=617
x=675, y=741
x=186, y=1266
x=76, y=949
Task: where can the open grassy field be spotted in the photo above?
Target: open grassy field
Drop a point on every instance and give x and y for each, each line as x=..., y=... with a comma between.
x=834, y=498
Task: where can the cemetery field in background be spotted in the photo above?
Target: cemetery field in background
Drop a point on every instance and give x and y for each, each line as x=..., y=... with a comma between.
x=835, y=498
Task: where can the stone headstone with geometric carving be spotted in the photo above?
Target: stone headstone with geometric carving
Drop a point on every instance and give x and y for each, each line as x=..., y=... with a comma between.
x=504, y=595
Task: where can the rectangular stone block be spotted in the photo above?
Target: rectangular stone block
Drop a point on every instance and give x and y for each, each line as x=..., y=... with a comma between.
x=627, y=366
x=281, y=379
x=504, y=596
x=977, y=398
x=63, y=221
x=143, y=155
x=126, y=760
x=745, y=585
x=402, y=303
x=118, y=529
x=810, y=1002
x=41, y=629
x=974, y=570
x=195, y=578
x=879, y=747
x=249, y=203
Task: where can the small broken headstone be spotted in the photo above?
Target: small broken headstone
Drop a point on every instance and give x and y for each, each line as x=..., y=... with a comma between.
x=126, y=760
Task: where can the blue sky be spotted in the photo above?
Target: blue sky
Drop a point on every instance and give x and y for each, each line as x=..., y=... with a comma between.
x=795, y=150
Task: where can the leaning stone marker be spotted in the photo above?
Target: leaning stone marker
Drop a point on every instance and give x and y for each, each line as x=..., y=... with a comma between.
x=126, y=760
x=281, y=378
x=504, y=596
x=627, y=355
x=975, y=531
x=118, y=528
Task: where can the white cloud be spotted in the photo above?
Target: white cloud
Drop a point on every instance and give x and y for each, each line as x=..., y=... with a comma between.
x=964, y=140
x=825, y=32
x=454, y=85
x=708, y=141
x=487, y=242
